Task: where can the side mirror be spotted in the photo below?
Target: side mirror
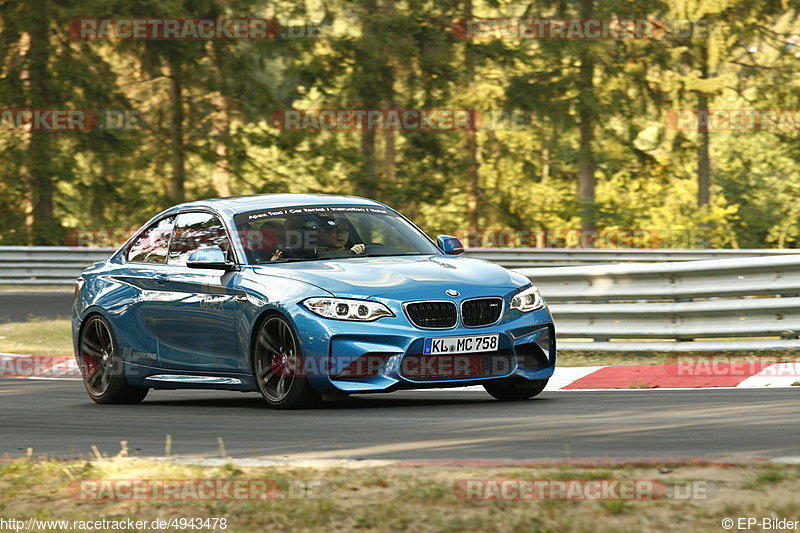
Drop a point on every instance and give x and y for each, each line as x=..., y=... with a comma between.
x=450, y=245
x=211, y=257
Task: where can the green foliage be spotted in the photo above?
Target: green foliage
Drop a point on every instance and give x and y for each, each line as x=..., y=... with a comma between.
x=218, y=137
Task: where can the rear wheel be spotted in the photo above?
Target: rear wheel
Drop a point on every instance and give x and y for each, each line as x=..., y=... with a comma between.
x=276, y=364
x=515, y=389
x=101, y=366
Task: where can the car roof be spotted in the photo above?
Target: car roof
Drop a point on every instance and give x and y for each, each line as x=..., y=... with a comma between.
x=233, y=205
x=242, y=204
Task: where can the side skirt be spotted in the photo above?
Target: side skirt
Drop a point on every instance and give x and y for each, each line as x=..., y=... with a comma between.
x=159, y=378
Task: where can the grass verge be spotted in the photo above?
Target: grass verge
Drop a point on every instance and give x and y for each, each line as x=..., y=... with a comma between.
x=37, y=337
x=394, y=498
x=36, y=288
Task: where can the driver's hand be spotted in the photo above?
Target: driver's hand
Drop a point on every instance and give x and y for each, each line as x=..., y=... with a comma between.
x=358, y=248
x=277, y=255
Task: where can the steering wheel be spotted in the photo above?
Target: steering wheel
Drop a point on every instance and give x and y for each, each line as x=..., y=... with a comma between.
x=373, y=244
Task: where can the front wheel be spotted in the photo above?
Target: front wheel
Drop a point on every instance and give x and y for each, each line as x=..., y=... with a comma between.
x=101, y=366
x=515, y=389
x=276, y=364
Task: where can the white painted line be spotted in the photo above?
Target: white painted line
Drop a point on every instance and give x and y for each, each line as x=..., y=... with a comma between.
x=786, y=460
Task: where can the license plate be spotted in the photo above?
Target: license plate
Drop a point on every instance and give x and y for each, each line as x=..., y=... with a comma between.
x=470, y=344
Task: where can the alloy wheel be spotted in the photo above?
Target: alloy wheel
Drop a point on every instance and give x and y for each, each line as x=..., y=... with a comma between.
x=95, y=358
x=276, y=359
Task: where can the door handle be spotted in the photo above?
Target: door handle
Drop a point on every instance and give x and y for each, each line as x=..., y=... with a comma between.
x=161, y=278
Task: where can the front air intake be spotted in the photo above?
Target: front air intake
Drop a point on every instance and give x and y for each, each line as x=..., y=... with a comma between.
x=481, y=311
x=432, y=315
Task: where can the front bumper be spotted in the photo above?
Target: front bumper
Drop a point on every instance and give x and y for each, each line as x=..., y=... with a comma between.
x=386, y=355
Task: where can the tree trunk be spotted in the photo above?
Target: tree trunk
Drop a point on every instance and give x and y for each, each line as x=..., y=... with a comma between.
x=471, y=145
x=220, y=173
x=473, y=184
x=176, y=184
x=586, y=118
x=390, y=155
x=369, y=182
x=44, y=228
x=703, y=157
x=545, y=159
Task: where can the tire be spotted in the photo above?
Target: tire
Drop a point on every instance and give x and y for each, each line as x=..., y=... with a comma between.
x=515, y=389
x=101, y=366
x=276, y=359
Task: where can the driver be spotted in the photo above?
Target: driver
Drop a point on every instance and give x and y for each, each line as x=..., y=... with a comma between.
x=334, y=234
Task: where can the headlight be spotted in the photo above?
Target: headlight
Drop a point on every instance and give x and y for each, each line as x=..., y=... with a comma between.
x=527, y=300
x=345, y=309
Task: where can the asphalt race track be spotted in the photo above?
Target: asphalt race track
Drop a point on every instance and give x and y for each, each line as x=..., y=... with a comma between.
x=19, y=306
x=57, y=418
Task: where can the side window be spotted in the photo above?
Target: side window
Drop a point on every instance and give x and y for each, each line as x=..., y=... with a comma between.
x=193, y=231
x=151, y=246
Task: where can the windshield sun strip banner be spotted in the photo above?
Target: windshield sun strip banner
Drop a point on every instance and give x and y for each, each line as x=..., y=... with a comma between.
x=261, y=214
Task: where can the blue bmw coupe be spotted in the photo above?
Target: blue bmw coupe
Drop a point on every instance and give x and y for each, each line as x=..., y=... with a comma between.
x=304, y=298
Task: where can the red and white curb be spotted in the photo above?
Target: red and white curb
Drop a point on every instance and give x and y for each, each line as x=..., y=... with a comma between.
x=38, y=367
x=633, y=377
x=751, y=374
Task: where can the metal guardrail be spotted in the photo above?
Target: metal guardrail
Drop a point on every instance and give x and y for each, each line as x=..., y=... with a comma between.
x=543, y=257
x=750, y=300
x=59, y=265
x=723, y=304
x=46, y=265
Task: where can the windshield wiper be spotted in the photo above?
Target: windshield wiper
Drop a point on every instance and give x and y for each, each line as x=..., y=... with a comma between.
x=306, y=259
x=286, y=260
x=389, y=255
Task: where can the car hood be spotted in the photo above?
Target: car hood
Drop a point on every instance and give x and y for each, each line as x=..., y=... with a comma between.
x=401, y=278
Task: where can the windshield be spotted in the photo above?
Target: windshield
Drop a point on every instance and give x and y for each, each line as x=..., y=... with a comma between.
x=327, y=232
